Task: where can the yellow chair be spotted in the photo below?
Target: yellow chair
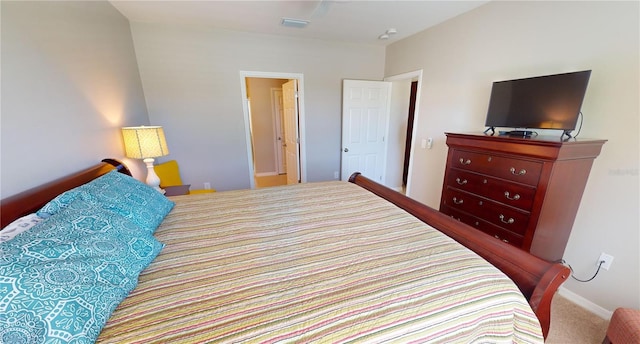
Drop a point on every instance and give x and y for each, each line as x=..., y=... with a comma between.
x=169, y=174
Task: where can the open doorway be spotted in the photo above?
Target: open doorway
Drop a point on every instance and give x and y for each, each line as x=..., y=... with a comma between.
x=381, y=113
x=274, y=123
x=266, y=117
x=405, y=99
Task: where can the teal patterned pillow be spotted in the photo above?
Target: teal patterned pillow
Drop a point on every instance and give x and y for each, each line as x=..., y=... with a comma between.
x=130, y=198
x=119, y=193
x=60, y=202
x=61, y=280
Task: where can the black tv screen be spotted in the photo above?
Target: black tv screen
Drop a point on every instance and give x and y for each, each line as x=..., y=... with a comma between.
x=543, y=102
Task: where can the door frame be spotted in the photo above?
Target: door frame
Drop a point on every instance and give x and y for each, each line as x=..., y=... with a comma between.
x=301, y=118
x=410, y=76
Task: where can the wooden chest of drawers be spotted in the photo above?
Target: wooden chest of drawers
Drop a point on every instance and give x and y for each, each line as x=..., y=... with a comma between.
x=524, y=191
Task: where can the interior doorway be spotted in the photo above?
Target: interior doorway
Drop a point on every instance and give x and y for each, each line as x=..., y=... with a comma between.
x=405, y=100
x=267, y=132
x=274, y=124
x=397, y=134
x=409, y=132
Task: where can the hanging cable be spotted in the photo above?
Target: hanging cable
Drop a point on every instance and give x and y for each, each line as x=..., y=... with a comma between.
x=572, y=273
x=580, y=127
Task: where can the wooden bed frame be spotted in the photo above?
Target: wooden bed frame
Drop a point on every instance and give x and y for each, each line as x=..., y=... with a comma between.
x=537, y=279
x=32, y=200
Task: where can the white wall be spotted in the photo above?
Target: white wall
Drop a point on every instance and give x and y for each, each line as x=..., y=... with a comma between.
x=69, y=82
x=191, y=79
x=504, y=40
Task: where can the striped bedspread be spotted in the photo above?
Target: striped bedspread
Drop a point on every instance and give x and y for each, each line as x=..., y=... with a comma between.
x=318, y=262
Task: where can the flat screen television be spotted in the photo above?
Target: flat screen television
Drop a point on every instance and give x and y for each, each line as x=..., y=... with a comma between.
x=542, y=102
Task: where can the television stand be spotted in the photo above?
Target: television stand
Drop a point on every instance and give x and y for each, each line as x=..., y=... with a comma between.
x=490, y=129
x=520, y=133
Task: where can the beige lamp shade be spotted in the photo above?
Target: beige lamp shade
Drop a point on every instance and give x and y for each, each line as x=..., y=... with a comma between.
x=144, y=142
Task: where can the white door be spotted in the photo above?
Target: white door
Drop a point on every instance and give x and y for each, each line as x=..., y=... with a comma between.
x=278, y=129
x=290, y=107
x=365, y=117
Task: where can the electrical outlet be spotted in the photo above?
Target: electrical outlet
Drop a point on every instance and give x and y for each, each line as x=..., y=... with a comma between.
x=608, y=259
x=207, y=186
x=336, y=175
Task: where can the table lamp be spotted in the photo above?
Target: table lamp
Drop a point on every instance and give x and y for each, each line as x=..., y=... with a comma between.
x=146, y=143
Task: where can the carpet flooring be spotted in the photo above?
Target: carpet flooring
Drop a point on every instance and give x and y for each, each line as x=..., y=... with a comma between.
x=572, y=324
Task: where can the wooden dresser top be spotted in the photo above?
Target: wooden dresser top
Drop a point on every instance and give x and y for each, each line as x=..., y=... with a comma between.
x=545, y=147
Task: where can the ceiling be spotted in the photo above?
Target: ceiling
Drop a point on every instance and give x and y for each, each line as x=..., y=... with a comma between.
x=354, y=21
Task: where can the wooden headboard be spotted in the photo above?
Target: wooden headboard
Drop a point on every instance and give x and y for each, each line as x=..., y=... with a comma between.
x=29, y=201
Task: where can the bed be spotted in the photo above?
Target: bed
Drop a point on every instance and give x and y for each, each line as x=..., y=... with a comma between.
x=317, y=262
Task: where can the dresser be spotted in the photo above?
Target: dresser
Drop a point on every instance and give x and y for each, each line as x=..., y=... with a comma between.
x=523, y=191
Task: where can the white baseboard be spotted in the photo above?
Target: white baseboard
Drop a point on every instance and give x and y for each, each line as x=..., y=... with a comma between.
x=265, y=174
x=586, y=304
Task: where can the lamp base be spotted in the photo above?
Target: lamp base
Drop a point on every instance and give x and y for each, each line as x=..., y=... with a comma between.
x=152, y=178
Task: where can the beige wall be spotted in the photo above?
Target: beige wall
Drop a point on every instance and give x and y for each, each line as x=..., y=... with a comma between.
x=263, y=123
x=69, y=82
x=191, y=79
x=504, y=40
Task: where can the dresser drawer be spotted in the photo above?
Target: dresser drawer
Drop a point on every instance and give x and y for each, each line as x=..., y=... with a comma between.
x=510, y=219
x=510, y=168
x=494, y=231
x=515, y=195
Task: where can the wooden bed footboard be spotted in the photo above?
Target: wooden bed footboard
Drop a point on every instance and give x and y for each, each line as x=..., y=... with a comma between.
x=537, y=279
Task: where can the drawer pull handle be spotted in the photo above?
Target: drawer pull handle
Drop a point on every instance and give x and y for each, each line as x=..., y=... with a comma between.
x=455, y=218
x=461, y=182
x=456, y=201
x=504, y=240
x=509, y=221
x=522, y=172
x=465, y=162
x=514, y=198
